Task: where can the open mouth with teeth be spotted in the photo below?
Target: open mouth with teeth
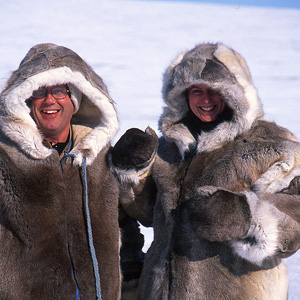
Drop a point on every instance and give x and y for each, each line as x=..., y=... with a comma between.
x=207, y=108
x=50, y=112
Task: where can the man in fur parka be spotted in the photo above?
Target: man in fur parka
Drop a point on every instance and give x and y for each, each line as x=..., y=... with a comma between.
x=218, y=191
x=59, y=231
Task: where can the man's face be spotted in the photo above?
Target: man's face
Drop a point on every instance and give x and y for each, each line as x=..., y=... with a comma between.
x=52, y=116
x=205, y=103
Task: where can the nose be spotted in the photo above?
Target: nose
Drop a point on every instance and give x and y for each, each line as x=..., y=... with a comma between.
x=205, y=97
x=49, y=99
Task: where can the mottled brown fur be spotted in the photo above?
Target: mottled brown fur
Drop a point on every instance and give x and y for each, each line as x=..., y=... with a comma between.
x=43, y=232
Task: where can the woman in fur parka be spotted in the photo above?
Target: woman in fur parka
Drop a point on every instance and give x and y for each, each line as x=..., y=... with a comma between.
x=59, y=231
x=214, y=191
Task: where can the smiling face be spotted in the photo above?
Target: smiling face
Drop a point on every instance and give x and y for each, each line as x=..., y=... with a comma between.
x=205, y=103
x=52, y=116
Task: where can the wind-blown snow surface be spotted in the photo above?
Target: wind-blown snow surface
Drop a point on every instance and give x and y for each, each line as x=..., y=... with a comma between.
x=130, y=43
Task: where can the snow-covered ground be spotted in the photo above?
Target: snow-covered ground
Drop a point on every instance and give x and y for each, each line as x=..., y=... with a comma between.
x=130, y=43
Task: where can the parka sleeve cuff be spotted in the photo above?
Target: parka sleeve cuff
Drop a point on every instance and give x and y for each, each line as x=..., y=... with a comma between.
x=261, y=240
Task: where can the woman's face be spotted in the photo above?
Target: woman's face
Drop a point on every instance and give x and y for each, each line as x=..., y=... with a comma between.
x=205, y=103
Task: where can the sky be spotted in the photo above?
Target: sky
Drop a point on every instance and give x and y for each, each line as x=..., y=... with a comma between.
x=130, y=43
x=295, y=4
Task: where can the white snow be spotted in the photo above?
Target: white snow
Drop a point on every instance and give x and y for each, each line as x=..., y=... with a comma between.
x=130, y=43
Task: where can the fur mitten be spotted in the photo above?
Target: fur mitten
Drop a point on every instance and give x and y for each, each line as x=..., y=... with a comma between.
x=218, y=215
x=135, y=149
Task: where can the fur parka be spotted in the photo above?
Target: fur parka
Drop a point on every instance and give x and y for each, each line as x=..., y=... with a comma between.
x=44, y=243
x=221, y=225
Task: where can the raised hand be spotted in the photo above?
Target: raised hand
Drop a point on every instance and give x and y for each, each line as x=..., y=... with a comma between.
x=135, y=149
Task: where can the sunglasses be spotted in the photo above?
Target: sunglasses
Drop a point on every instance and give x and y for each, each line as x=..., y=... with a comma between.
x=57, y=92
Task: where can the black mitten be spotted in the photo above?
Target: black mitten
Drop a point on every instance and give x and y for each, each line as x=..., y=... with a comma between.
x=217, y=214
x=135, y=149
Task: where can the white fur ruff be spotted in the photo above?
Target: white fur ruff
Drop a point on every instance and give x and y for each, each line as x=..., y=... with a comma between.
x=21, y=128
x=131, y=176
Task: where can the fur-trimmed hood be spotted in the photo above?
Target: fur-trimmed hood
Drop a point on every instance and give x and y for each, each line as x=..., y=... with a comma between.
x=50, y=64
x=225, y=71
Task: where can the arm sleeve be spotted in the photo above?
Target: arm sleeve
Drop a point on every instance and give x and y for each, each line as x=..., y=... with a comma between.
x=137, y=199
x=131, y=161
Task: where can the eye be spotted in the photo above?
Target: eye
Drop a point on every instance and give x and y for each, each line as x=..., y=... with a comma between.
x=59, y=92
x=40, y=93
x=196, y=91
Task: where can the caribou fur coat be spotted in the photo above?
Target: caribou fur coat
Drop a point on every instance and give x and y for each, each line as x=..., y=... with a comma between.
x=221, y=225
x=44, y=246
